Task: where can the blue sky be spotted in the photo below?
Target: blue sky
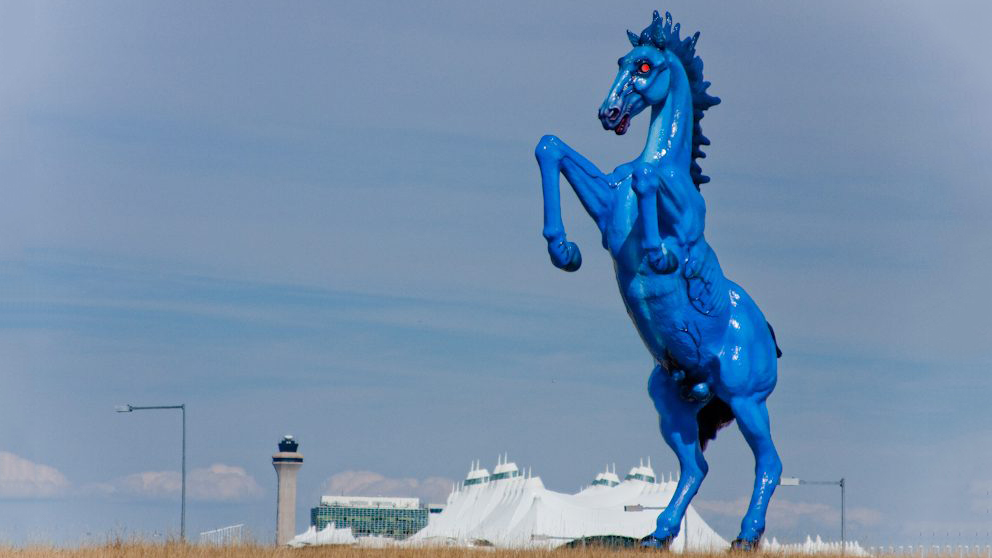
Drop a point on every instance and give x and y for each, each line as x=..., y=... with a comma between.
x=325, y=219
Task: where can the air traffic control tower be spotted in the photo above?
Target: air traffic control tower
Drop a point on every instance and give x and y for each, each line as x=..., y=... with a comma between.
x=287, y=462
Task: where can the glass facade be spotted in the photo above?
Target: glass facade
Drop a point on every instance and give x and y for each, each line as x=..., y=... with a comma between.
x=639, y=476
x=506, y=475
x=397, y=523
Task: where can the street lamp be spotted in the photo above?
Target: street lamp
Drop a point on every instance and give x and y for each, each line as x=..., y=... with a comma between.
x=638, y=508
x=182, y=408
x=796, y=481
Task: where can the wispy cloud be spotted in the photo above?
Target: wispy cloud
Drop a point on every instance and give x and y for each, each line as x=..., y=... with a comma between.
x=789, y=513
x=367, y=483
x=22, y=478
x=217, y=483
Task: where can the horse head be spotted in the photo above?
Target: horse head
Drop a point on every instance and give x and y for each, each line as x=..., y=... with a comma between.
x=644, y=77
x=647, y=74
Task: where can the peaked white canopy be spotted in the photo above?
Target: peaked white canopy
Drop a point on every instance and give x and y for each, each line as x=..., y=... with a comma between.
x=519, y=512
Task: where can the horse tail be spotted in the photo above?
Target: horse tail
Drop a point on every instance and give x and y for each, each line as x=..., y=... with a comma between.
x=778, y=352
x=712, y=417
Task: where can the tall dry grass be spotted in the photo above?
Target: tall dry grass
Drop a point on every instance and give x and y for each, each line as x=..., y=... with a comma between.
x=175, y=550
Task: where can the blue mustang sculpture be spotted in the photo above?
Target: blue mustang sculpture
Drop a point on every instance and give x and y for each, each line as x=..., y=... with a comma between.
x=715, y=354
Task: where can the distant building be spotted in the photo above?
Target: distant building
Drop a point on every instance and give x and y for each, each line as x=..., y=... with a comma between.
x=286, y=463
x=610, y=478
x=396, y=518
x=641, y=472
x=511, y=508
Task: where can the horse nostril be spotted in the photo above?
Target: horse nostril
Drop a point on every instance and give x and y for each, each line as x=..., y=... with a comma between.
x=613, y=113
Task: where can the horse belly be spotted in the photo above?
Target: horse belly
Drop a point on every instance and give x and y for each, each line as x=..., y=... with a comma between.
x=651, y=304
x=657, y=304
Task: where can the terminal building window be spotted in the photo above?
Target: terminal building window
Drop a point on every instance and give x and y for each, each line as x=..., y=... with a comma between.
x=397, y=523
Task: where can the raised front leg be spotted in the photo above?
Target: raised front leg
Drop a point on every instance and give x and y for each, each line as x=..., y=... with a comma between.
x=647, y=183
x=752, y=418
x=590, y=185
x=677, y=418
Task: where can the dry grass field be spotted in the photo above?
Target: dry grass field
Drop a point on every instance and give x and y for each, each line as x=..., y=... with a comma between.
x=173, y=550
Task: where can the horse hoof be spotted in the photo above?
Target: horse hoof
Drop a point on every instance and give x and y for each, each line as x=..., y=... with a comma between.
x=565, y=255
x=744, y=545
x=652, y=541
x=576, y=260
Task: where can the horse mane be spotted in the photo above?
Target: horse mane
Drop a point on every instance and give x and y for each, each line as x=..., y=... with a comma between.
x=662, y=35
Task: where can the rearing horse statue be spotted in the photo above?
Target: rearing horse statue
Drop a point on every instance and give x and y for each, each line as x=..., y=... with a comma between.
x=715, y=355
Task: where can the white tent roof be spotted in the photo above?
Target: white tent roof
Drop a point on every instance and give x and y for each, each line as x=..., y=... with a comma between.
x=520, y=512
x=328, y=535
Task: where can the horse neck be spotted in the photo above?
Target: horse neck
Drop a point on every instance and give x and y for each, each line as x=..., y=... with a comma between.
x=669, y=140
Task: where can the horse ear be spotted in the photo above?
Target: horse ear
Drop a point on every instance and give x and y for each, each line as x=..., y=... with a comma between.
x=633, y=38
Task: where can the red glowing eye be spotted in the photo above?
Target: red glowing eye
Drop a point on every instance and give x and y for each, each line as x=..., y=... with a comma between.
x=645, y=68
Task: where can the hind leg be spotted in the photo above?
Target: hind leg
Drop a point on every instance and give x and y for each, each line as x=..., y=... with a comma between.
x=752, y=418
x=677, y=418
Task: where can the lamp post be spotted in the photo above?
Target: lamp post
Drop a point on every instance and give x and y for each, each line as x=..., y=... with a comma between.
x=796, y=481
x=182, y=409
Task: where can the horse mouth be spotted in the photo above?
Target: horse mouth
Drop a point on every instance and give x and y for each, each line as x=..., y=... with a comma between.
x=616, y=119
x=622, y=126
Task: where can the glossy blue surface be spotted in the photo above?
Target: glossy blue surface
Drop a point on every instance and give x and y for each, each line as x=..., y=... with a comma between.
x=715, y=355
